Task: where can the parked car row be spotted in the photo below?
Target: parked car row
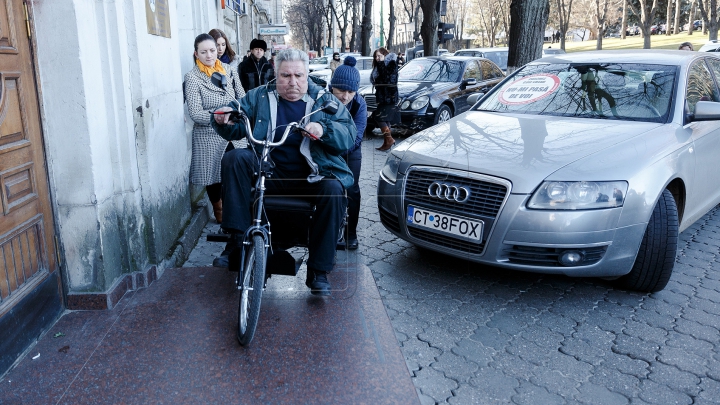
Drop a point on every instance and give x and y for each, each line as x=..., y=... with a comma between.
x=585, y=164
x=434, y=89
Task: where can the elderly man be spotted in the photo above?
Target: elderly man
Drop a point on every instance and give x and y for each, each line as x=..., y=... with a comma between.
x=308, y=163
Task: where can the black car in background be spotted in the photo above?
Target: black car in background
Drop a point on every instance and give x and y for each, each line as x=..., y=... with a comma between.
x=434, y=89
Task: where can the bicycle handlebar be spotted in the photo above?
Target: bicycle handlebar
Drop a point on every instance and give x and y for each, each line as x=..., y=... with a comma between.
x=282, y=140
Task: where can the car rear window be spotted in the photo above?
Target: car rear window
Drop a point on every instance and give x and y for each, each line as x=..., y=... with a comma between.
x=499, y=57
x=635, y=92
x=431, y=70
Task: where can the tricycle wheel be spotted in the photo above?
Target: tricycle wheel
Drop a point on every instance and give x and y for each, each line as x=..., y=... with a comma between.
x=252, y=283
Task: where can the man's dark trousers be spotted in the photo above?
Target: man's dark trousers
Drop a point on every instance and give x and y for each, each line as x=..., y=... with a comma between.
x=238, y=168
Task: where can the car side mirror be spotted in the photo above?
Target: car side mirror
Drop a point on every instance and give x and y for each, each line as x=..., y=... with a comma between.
x=219, y=80
x=706, y=111
x=468, y=82
x=330, y=107
x=473, y=98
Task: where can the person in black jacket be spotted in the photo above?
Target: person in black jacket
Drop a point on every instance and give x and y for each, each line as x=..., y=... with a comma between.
x=256, y=71
x=384, y=77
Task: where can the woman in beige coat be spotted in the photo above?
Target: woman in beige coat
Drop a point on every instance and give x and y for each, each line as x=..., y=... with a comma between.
x=203, y=98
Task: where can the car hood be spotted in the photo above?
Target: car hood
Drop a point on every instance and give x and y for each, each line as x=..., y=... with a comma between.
x=524, y=149
x=416, y=89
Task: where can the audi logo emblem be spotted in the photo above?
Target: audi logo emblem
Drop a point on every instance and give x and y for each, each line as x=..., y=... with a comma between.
x=449, y=192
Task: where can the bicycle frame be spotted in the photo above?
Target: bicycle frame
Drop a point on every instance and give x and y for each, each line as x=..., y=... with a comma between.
x=259, y=196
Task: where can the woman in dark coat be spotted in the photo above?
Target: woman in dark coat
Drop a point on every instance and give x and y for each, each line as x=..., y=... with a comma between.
x=384, y=77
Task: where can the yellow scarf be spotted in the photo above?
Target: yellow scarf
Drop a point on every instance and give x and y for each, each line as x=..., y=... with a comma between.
x=210, y=70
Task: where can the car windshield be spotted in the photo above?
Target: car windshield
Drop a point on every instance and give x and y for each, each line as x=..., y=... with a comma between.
x=431, y=70
x=318, y=61
x=634, y=92
x=499, y=57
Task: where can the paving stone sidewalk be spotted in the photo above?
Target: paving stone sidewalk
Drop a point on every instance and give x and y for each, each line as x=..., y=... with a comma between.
x=479, y=335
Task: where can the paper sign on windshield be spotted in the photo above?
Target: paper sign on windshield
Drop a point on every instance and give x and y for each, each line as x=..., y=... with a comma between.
x=529, y=89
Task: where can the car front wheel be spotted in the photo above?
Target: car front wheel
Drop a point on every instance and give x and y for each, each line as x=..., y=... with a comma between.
x=443, y=114
x=656, y=257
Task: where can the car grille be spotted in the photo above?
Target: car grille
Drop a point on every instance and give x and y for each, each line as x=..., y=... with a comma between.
x=485, y=200
x=371, y=102
x=389, y=220
x=548, y=257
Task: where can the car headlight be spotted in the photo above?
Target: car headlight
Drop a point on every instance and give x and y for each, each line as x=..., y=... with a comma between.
x=405, y=105
x=578, y=195
x=390, y=170
x=420, y=102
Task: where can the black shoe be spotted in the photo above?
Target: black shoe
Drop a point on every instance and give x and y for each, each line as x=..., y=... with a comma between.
x=340, y=245
x=320, y=284
x=352, y=244
x=224, y=259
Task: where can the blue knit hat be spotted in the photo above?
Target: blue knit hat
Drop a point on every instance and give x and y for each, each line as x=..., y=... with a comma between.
x=346, y=77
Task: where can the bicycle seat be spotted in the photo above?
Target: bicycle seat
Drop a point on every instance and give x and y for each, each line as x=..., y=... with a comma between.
x=295, y=204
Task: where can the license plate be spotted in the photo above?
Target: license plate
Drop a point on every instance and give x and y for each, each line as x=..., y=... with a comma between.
x=449, y=224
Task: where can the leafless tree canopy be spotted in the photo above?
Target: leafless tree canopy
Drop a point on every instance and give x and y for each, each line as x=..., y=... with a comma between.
x=306, y=19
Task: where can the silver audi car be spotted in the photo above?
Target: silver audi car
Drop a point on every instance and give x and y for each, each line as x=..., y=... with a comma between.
x=583, y=164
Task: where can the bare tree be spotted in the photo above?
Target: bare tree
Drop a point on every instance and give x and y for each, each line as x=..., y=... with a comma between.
x=676, y=22
x=341, y=10
x=528, y=19
x=564, y=9
x=600, y=20
x=647, y=15
x=668, y=17
x=307, y=21
x=457, y=11
x=712, y=22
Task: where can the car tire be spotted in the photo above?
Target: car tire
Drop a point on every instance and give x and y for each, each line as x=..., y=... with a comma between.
x=656, y=257
x=443, y=114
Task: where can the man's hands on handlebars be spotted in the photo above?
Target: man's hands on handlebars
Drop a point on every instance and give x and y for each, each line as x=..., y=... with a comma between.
x=226, y=115
x=313, y=130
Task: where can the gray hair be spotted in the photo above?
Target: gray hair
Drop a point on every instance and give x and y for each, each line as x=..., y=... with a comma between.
x=292, y=55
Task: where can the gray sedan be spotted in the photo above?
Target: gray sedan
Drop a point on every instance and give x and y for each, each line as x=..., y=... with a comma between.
x=584, y=164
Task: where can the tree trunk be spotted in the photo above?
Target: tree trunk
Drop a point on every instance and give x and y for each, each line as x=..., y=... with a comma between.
x=647, y=15
x=391, y=29
x=428, y=30
x=668, y=17
x=709, y=21
x=366, y=28
x=624, y=20
x=528, y=19
x=713, y=21
x=693, y=11
x=676, y=22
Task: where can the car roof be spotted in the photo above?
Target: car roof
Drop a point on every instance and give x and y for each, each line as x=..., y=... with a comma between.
x=495, y=49
x=646, y=56
x=454, y=57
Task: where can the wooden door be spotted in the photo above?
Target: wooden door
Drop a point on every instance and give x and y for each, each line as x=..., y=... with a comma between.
x=27, y=248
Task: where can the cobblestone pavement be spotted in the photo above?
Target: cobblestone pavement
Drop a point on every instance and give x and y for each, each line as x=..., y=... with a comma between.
x=480, y=335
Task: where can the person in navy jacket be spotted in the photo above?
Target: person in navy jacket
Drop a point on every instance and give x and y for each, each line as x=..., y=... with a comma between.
x=344, y=85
